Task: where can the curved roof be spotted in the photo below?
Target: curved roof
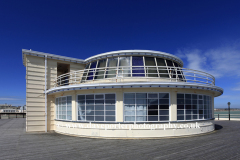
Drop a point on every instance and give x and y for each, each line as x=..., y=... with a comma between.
x=135, y=52
x=104, y=55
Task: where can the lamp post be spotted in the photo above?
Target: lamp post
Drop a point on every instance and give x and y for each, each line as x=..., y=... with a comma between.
x=229, y=110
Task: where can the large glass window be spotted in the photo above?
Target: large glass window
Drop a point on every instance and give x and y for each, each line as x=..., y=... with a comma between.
x=193, y=106
x=124, y=70
x=137, y=71
x=91, y=72
x=96, y=107
x=162, y=69
x=112, y=67
x=150, y=70
x=64, y=108
x=101, y=71
x=132, y=66
x=146, y=106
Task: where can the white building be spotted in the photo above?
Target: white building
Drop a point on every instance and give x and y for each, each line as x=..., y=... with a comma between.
x=128, y=93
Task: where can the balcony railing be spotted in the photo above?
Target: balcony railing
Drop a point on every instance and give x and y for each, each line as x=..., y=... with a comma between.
x=134, y=74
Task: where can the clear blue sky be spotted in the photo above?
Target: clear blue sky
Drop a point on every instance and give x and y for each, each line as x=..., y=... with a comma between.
x=205, y=34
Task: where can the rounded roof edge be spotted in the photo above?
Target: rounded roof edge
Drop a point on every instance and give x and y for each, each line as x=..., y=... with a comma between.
x=134, y=52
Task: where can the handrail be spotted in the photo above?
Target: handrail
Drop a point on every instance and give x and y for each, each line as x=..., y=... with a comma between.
x=140, y=73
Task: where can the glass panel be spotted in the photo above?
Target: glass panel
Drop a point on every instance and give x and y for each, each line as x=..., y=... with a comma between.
x=90, y=96
x=81, y=97
x=141, y=107
x=141, y=112
x=99, y=118
x=81, y=113
x=112, y=67
x=99, y=96
x=124, y=71
x=164, y=118
x=99, y=101
x=152, y=112
x=129, y=118
x=153, y=101
x=99, y=112
x=188, y=117
x=162, y=69
x=110, y=118
x=109, y=96
x=163, y=95
x=129, y=101
x=151, y=71
x=99, y=107
x=152, y=95
x=129, y=95
x=141, y=118
x=171, y=70
x=141, y=101
x=129, y=107
x=129, y=113
x=163, y=101
x=90, y=110
x=163, y=106
x=164, y=112
x=152, y=118
x=84, y=77
x=141, y=95
x=109, y=113
x=180, y=117
x=110, y=107
x=137, y=71
x=179, y=112
x=100, y=72
x=92, y=70
x=109, y=101
x=90, y=118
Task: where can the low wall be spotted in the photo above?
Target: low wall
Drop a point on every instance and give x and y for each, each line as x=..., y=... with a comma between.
x=124, y=130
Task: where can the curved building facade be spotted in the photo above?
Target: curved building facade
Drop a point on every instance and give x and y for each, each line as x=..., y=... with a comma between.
x=120, y=94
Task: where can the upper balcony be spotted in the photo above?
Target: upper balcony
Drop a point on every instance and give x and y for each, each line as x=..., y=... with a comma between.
x=126, y=74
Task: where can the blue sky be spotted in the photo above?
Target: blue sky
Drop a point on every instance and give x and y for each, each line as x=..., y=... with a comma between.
x=205, y=34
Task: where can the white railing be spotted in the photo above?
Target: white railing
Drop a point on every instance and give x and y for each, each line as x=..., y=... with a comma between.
x=134, y=73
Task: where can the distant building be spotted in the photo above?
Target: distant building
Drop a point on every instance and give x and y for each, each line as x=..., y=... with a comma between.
x=8, y=110
x=121, y=88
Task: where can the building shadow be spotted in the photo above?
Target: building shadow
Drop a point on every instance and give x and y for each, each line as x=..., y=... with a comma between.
x=218, y=127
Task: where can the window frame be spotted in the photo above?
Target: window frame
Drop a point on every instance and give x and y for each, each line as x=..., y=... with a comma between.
x=135, y=110
x=94, y=108
x=57, y=108
x=208, y=110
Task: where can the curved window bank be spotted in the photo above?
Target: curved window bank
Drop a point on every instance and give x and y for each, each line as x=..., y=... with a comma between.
x=120, y=94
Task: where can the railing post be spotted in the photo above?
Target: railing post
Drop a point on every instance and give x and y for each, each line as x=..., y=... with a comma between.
x=75, y=77
x=218, y=116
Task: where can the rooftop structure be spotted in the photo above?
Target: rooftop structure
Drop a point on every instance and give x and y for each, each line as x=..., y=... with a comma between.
x=121, y=90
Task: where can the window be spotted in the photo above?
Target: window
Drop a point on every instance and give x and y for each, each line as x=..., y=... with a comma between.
x=96, y=107
x=132, y=66
x=146, y=106
x=193, y=106
x=64, y=108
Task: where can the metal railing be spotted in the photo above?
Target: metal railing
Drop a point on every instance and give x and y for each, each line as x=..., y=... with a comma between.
x=138, y=73
x=226, y=116
x=12, y=115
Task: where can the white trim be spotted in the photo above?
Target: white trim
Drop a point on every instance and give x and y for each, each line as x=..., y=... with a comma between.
x=136, y=52
x=137, y=85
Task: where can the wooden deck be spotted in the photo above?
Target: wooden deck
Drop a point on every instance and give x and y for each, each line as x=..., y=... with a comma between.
x=15, y=143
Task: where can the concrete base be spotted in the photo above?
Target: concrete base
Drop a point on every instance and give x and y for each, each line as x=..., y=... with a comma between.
x=153, y=130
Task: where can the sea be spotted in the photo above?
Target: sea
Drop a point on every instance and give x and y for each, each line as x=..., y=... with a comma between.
x=224, y=114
